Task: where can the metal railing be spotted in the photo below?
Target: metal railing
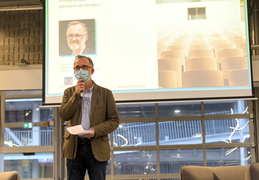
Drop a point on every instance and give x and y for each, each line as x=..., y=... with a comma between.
x=134, y=134
x=14, y=138
x=144, y=133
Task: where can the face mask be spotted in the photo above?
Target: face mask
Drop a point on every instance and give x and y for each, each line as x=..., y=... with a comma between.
x=82, y=74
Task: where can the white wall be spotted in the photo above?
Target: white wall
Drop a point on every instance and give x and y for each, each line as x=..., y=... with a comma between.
x=27, y=77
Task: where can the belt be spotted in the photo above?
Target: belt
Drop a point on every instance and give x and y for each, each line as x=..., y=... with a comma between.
x=84, y=140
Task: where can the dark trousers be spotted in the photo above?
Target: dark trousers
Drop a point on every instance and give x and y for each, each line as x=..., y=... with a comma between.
x=85, y=160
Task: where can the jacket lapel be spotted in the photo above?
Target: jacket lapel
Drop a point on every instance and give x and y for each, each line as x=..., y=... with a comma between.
x=95, y=97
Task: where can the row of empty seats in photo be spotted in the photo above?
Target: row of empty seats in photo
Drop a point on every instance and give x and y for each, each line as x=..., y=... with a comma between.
x=208, y=53
x=204, y=62
x=203, y=46
x=203, y=78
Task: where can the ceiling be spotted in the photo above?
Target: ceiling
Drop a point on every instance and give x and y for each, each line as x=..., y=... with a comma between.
x=7, y=5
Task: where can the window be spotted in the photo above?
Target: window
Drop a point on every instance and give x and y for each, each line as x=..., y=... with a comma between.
x=153, y=140
x=26, y=111
x=34, y=157
x=196, y=13
x=156, y=140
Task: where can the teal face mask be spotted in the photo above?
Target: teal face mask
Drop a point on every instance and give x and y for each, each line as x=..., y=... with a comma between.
x=82, y=74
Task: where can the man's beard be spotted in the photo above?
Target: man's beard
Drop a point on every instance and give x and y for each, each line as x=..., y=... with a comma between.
x=75, y=46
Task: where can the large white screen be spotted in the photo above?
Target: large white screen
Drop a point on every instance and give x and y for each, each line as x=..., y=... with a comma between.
x=152, y=50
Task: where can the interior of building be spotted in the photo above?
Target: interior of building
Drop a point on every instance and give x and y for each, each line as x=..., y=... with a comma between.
x=155, y=139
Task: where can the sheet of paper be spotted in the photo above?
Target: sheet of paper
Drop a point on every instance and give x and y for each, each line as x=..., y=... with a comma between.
x=77, y=130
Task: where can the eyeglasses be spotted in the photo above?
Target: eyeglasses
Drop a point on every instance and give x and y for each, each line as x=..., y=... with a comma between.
x=76, y=36
x=84, y=67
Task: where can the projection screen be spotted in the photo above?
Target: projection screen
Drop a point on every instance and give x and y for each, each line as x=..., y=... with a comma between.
x=152, y=50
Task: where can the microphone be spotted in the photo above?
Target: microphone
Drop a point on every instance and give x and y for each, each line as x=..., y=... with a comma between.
x=82, y=91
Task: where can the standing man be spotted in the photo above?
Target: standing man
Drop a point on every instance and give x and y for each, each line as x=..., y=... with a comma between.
x=77, y=35
x=95, y=109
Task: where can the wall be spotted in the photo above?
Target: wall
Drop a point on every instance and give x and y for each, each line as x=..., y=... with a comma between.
x=27, y=77
x=21, y=37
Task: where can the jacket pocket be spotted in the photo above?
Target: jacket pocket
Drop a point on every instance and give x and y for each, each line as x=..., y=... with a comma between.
x=105, y=138
x=67, y=135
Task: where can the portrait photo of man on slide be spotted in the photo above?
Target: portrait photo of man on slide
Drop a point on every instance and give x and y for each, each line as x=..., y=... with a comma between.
x=76, y=37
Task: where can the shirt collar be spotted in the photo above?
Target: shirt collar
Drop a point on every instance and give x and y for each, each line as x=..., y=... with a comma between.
x=91, y=89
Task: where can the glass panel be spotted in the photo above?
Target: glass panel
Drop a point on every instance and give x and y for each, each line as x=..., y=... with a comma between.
x=179, y=109
x=226, y=107
x=135, y=134
x=108, y=169
x=227, y=131
x=171, y=161
x=180, y=132
x=135, y=162
x=136, y=110
x=26, y=110
x=39, y=165
x=36, y=136
x=45, y=114
x=238, y=156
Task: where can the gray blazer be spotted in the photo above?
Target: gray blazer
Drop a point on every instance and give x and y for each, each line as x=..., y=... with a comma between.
x=103, y=118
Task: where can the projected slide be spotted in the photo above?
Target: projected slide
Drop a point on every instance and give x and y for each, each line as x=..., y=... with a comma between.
x=147, y=50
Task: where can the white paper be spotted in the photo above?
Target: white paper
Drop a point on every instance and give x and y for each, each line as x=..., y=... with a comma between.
x=77, y=130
